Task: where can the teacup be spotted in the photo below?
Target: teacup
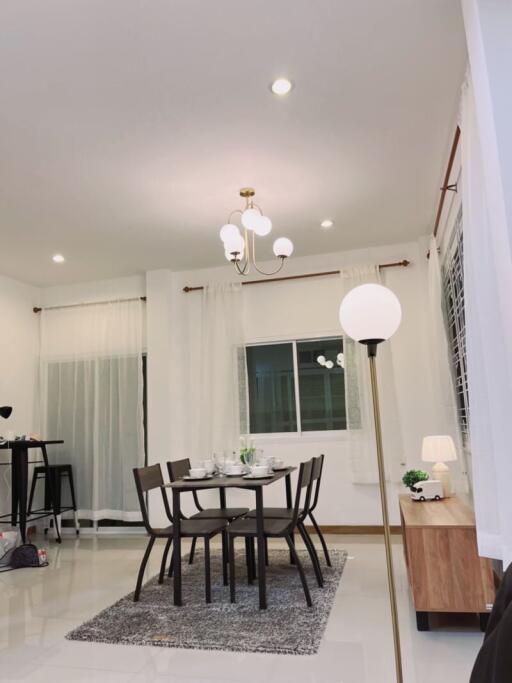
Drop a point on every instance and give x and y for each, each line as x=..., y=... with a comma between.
x=278, y=464
x=209, y=466
x=197, y=472
x=235, y=469
x=259, y=470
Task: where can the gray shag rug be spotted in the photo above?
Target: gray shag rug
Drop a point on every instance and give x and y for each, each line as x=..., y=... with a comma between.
x=288, y=626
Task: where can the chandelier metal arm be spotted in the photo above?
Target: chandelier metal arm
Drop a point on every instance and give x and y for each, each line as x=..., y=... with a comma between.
x=262, y=272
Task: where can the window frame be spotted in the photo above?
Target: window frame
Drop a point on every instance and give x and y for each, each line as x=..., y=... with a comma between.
x=299, y=435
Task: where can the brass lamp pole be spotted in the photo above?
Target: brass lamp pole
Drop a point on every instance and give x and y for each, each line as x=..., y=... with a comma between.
x=371, y=314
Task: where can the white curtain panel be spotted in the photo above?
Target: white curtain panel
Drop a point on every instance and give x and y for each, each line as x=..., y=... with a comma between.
x=91, y=393
x=217, y=392
x=358, y=398
x=445, y=405
x=487, y=290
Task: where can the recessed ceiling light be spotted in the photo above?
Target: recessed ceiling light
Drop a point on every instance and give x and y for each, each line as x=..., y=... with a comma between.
x=58, y=258
x=281, y=86
x=327, y=223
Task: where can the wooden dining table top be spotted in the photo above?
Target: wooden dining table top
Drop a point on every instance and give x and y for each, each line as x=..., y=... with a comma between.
x=228, y=481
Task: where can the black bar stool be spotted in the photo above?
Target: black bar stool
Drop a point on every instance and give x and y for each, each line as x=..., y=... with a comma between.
x=56, y=473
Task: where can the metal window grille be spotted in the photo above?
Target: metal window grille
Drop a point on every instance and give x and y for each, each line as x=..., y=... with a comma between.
x=453, y=288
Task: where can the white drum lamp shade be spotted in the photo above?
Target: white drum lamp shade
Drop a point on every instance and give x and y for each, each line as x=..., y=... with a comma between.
x=440, y=449
x=370, y=313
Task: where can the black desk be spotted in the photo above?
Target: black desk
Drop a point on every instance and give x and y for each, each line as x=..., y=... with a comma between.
x=181, y=486
x=19, y=481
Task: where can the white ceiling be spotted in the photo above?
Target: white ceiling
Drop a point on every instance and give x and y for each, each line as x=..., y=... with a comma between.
x=128, y=126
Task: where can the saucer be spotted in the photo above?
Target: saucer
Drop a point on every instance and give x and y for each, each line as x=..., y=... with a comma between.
x=187, y=477
x=258, y=476
x=280, y=469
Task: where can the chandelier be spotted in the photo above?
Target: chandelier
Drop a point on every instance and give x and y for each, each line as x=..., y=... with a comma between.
x=240, y=248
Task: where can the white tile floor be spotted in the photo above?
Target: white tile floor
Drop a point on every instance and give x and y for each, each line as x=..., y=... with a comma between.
x=38, y=607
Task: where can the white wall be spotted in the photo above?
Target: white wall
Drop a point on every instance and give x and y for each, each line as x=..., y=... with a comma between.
x=284, y=310
x=19, y=340
x=304, y=308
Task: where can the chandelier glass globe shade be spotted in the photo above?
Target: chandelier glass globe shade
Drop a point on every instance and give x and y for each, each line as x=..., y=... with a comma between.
x=229, y=230
x=283, y=247
x=370, y=312
x=235, y=243
x=329, y=364
x=263, y=226
x=251, y=219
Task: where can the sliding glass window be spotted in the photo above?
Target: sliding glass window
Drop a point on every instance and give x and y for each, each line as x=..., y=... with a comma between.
x=288, y=390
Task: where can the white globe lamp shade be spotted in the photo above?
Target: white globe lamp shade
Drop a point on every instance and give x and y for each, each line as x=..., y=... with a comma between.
x=321, y=360
x=228, y=231
x=283, y=247
x=235, y=243
x=329, y=364
x=263, y=226
x=251, y=219
x=370, y=312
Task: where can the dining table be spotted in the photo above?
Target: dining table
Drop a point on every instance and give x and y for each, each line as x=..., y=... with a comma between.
x=222, y=483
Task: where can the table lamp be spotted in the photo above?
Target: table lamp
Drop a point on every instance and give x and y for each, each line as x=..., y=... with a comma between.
x=440, y=450
x=370, y=314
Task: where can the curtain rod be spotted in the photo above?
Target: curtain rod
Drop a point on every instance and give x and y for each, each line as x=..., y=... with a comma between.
x=403, y=263
x=38, y=309
x=446, y=186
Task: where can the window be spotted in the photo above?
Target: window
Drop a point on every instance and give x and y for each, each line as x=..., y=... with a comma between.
x=453, y=286
x=289, y=391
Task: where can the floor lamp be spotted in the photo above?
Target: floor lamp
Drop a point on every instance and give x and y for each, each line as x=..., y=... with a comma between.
x=370, y=314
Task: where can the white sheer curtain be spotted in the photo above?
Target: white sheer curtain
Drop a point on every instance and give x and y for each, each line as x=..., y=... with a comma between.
x=358, y=399
x=487, y=292
x=445, y=405
x=91, y=388
x=217, y=394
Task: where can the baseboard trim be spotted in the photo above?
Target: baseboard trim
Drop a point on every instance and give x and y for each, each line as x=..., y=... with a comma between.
x=357, y=529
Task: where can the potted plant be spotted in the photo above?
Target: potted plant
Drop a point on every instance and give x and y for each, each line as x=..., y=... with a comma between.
x=412, y=477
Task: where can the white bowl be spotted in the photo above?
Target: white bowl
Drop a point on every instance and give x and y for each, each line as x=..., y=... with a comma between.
x=259, y=470
x=235, y=469
x=197, y=472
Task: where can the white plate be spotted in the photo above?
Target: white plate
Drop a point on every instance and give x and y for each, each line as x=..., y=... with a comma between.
x=258, y=476
x=189, y=478
x=280, y=469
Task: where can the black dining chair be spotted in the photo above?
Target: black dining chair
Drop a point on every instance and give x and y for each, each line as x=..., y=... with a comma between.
x=180, y=468
x=148, y=479
x=274, y=528
x=310, y=501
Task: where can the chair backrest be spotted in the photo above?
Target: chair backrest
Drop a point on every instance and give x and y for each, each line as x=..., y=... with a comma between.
x=148, y=479
x=303, y=482
x=316, y=479
x=178, y=468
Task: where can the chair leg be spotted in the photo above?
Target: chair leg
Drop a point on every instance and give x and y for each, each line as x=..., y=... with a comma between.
x=248, y=561
x=322, y=540
x=298, y=563
x=292, y=560
x=143, y=568
x=312, y=554
x=164, y=560
x=225, y=558
x=231, y=546
x=73, y=501
x=207, y=573
x=252, y=545
x=266, y=551
x=192, y=551
x=31, y=497
x=171, y=565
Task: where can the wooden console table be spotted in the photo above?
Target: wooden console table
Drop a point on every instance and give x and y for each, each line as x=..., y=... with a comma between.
x=445, y=572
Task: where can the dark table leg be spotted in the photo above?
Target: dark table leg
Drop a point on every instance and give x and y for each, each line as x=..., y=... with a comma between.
x=261, y=548
x=176, y=514
x=14, y=488
x=289, y=504
x=19, y=476
x=49, y=484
